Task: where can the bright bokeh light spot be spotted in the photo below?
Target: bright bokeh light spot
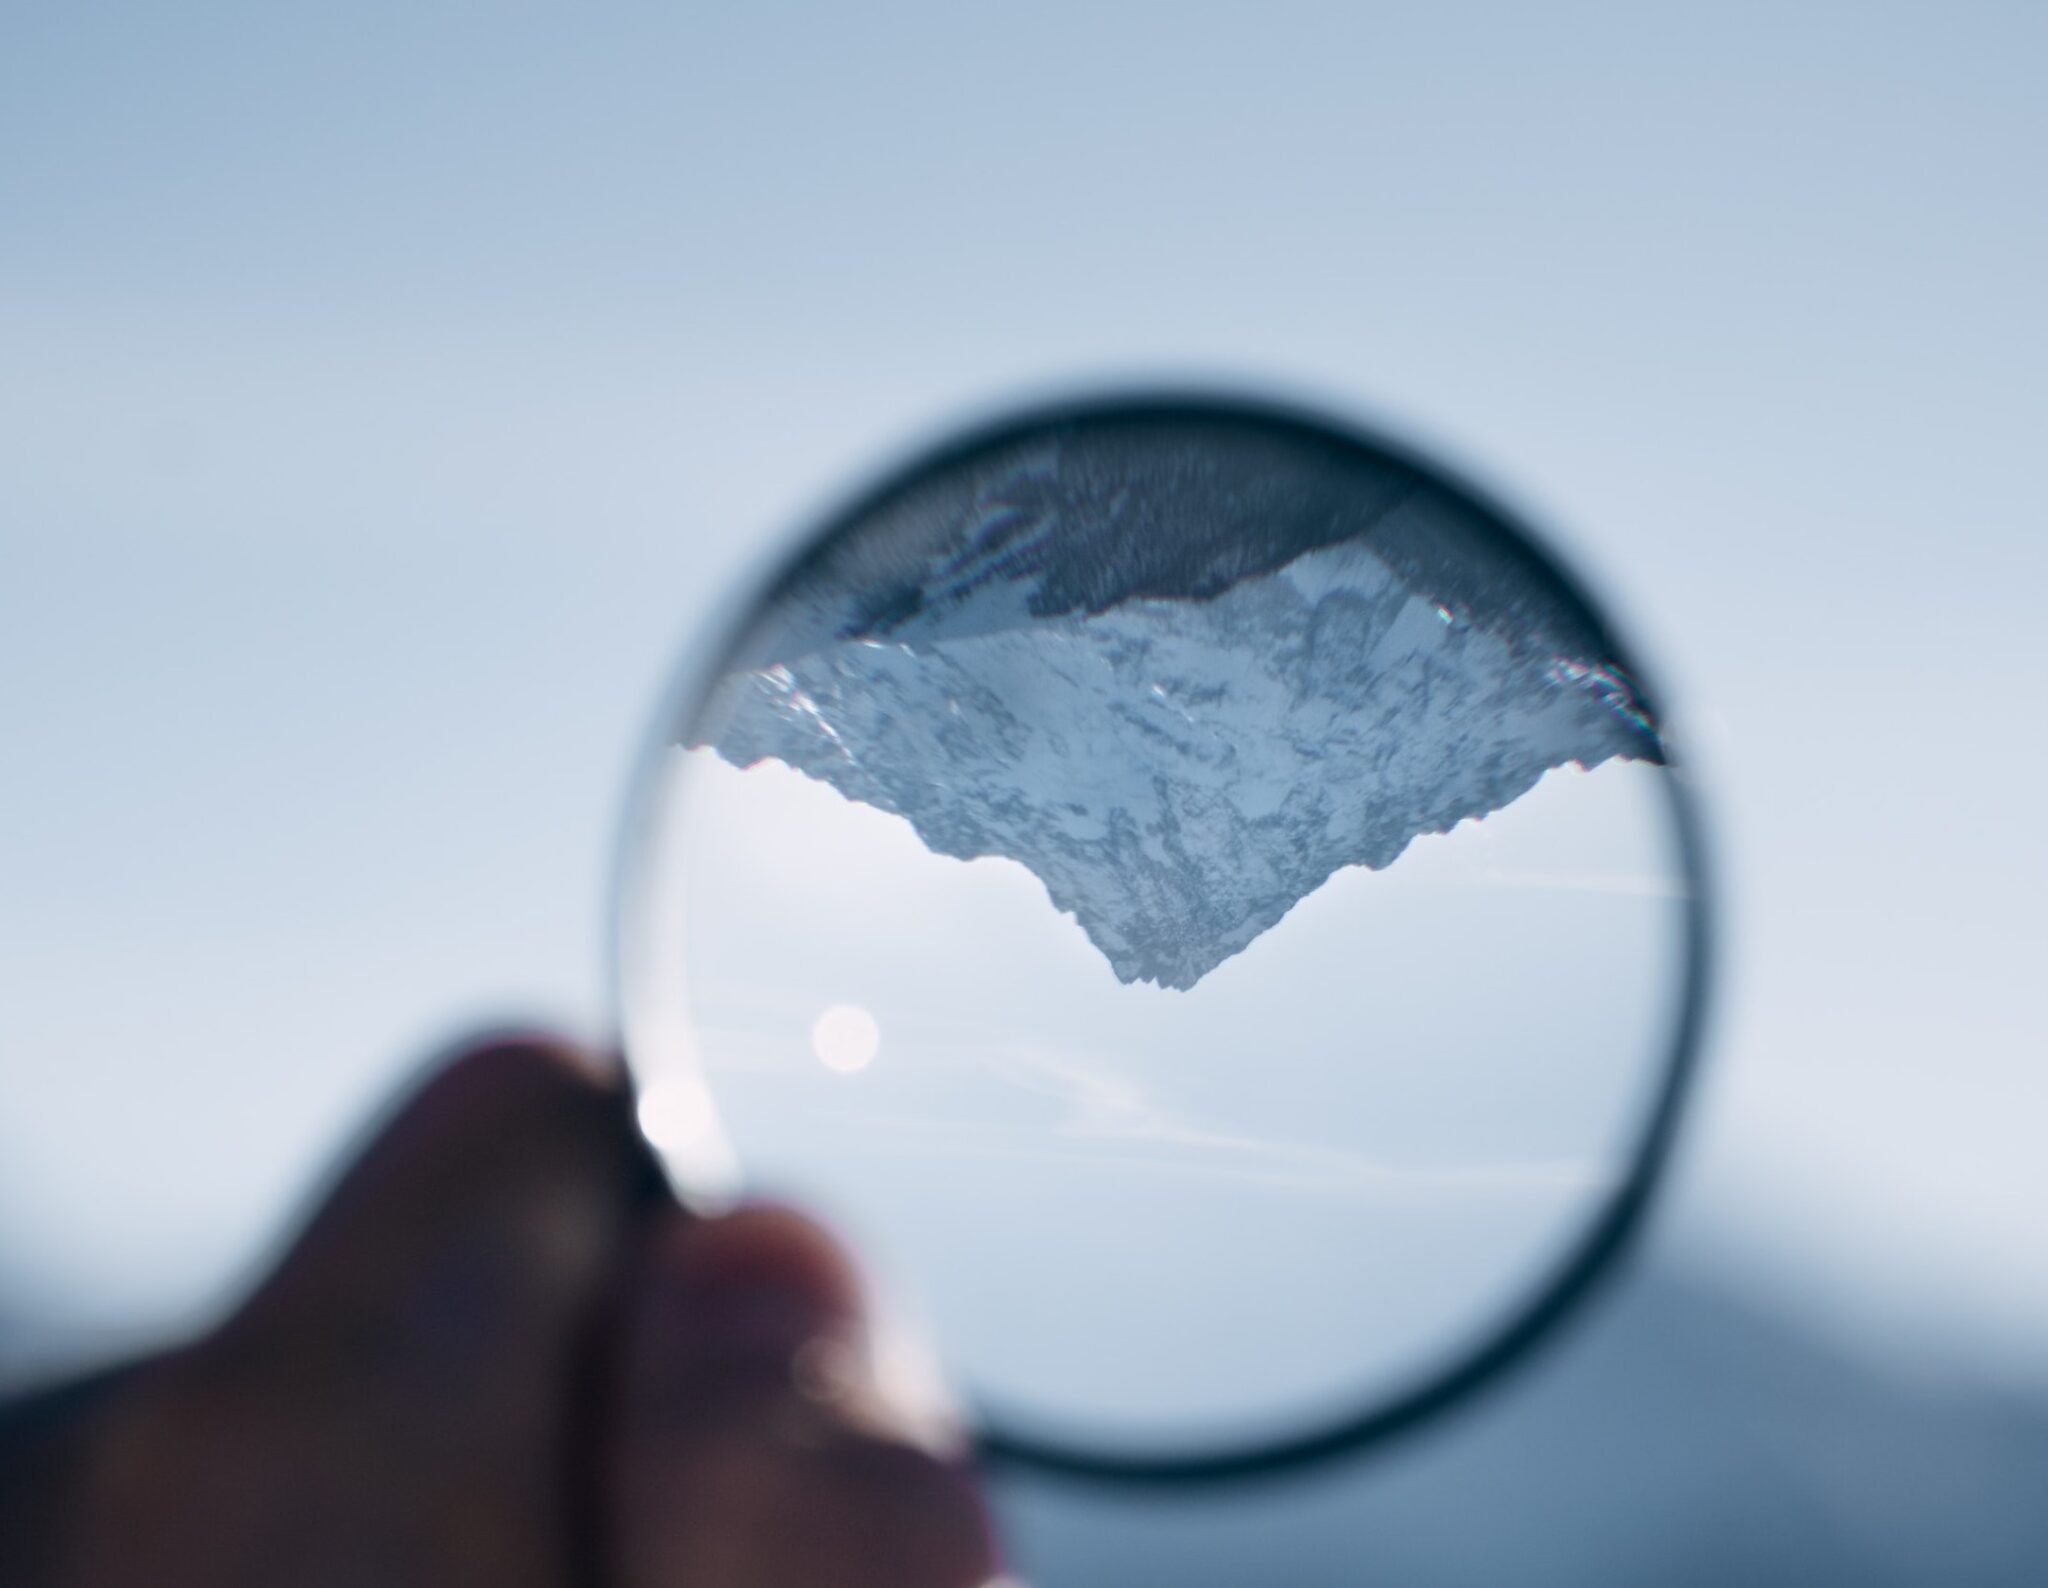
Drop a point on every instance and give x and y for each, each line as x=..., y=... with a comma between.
x=675, y=1114
x=845, y=1038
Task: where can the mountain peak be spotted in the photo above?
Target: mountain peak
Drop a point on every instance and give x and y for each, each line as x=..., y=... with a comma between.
x=1181, y=732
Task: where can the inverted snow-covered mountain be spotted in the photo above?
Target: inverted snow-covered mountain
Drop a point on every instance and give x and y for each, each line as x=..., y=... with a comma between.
x=1181, y=678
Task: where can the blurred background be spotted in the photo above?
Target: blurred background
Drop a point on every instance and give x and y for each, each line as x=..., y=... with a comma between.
x=386, y=392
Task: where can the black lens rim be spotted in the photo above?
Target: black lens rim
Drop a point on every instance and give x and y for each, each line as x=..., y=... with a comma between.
x=1590, y=1262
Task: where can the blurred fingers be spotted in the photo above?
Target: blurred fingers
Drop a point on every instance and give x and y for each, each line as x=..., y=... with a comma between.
x=395, y=1402
x=753, y=1448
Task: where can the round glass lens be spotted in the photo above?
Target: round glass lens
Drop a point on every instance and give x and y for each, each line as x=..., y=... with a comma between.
x=1197, y=894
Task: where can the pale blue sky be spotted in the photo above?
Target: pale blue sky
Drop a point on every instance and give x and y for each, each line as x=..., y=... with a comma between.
x=384, y=392
x=1345, y=1152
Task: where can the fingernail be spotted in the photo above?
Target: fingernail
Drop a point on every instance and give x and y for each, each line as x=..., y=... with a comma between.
x=758, y=1282
x=767, y=1287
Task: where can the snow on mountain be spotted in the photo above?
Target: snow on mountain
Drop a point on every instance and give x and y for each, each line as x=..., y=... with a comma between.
x=1182, y=683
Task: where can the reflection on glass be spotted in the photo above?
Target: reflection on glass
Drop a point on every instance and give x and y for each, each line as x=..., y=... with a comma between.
x=1196, y=895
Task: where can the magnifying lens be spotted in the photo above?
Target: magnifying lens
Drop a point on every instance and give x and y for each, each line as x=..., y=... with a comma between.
x=1205, y=898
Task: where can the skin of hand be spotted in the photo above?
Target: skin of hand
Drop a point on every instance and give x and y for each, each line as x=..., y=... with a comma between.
x=499, y=1355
